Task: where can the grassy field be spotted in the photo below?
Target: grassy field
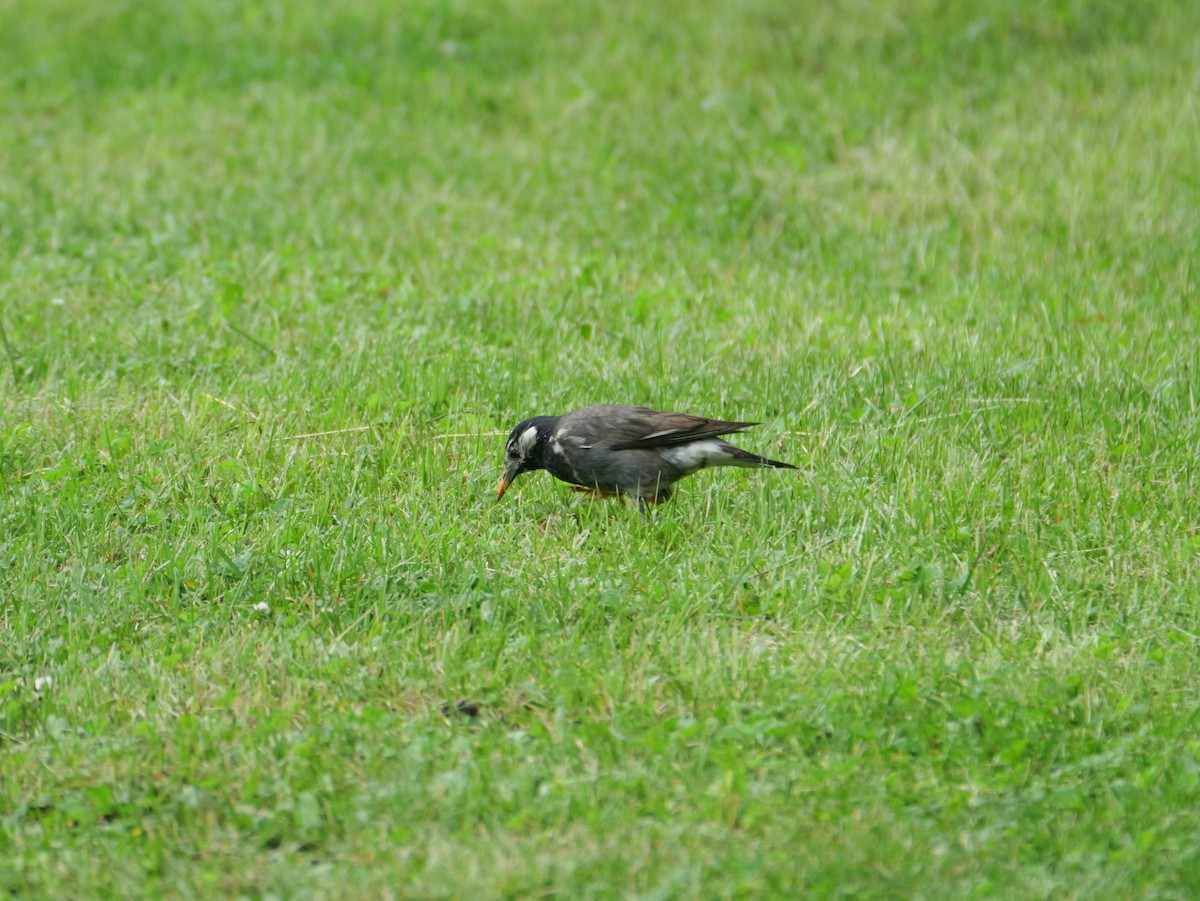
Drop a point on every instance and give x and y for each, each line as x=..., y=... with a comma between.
x=275, y=281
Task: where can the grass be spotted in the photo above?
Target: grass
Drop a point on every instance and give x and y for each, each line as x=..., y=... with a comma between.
x=275, y=280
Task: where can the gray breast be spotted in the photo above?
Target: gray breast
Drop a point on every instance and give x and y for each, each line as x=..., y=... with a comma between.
x=641, y=472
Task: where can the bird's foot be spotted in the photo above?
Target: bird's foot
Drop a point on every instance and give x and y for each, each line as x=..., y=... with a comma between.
x=593, y=493
x=661, y=498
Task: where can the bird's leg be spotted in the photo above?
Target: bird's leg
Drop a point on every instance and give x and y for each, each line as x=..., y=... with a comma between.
x=662, y=497
x=595, y=493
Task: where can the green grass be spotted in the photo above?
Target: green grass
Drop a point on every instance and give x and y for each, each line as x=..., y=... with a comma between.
x=275, y=280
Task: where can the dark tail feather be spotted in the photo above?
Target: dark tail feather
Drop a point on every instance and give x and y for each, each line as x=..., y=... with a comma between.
x=778, y=464
x=769, y=462
x=739, y=457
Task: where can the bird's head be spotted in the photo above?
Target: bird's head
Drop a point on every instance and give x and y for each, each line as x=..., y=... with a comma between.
x=524, y=448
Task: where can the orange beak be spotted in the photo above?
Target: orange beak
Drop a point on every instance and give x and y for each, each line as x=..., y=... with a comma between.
x=512, y=469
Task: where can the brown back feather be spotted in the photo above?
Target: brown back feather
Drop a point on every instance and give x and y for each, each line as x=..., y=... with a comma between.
x=653, y=429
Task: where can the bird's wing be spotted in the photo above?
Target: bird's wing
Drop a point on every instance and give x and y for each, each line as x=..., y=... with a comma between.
x=641, y=429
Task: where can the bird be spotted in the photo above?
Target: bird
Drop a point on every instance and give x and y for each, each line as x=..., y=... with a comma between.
x=631, y=452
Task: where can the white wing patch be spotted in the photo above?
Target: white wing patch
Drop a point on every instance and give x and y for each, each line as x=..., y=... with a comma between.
x=661, y=434
x=563, y=438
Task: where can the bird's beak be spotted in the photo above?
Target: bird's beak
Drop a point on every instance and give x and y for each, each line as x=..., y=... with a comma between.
x=505, y=480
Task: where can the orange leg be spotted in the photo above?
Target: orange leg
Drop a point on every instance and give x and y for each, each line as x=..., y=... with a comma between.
x=594, y=492
x=661, y=498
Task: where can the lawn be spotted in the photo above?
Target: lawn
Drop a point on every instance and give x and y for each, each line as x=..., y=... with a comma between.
x=277, y=279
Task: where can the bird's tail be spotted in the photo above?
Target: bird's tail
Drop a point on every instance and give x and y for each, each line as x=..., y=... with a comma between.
x=735, y=456
x=778, y=464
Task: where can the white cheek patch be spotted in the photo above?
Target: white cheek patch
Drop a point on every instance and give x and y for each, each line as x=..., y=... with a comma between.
x=527, y=440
